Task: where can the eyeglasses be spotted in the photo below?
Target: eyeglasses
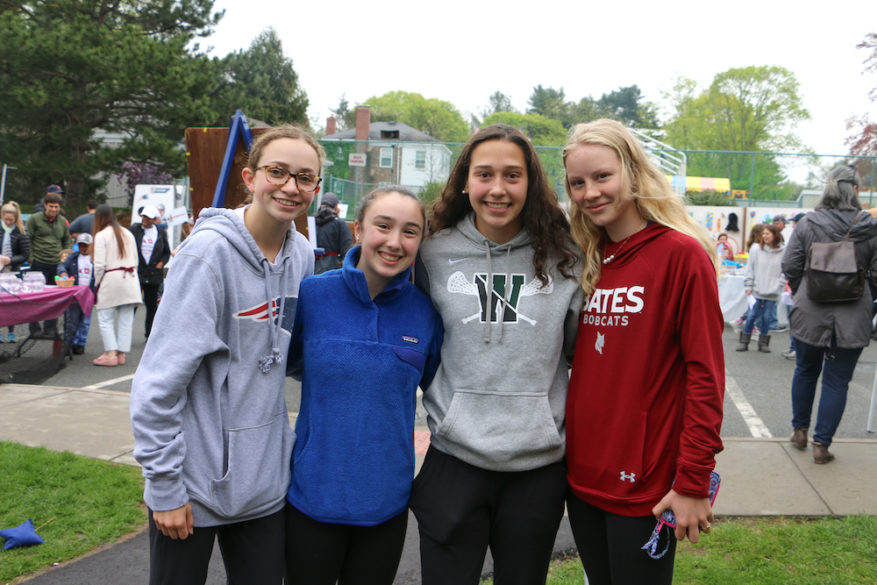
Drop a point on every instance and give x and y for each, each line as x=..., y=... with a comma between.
x=306, y=182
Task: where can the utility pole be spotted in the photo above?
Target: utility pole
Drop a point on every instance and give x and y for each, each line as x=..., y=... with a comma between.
x=3, y=183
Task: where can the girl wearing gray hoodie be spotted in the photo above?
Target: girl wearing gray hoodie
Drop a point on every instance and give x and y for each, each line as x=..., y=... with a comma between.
x=502, y=271
x=763, y=280
x=208, y=410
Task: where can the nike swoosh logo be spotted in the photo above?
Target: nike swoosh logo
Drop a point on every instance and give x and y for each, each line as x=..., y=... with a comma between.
x=451, y=261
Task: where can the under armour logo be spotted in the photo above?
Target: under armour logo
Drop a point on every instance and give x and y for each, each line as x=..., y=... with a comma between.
x=631, y=477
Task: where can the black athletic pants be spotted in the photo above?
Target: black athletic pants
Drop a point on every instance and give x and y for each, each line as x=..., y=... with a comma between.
x=150, y=299
x=610, y=546
x=319, y=553
x=252, y=552
x=49, y=272
x=462, y=510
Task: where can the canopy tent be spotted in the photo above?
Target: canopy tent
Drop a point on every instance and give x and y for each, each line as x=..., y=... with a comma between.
x=682, y=184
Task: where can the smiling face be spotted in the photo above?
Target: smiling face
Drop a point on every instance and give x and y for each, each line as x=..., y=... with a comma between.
x=8, y=219
x=281, y=204
x=390, y=232
x=497, y=187
x=596, y=183
x=51, y=210
x=767, y=237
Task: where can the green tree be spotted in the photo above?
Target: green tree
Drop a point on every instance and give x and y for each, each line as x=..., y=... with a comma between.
x=748, y=108
x=540, y=130
x=72, y=71
x=745, y=109
x=261, y=82
x=549, y=102
x=626, y=105
x=586, y=110
x=498, y=102
x=863, y=140
x=438, y=118
x=345, y=117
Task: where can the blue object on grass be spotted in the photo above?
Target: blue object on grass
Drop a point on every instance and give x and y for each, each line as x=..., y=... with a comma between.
x=22, y=535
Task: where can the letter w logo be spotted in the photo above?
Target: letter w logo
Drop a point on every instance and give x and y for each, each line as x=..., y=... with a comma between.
x=490, y=303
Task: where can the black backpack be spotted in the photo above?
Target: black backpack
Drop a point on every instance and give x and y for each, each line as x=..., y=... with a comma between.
x=833, y=271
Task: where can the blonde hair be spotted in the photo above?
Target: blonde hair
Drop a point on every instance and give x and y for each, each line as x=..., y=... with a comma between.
x=12, y=207
x=652, y=195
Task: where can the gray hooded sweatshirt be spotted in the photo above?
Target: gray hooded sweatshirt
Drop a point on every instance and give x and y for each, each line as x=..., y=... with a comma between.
x=764, y=275
x=498, y=398
x=207, y=403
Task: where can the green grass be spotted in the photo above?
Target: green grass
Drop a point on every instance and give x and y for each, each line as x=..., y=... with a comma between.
x=76, y=504
x=768, y=551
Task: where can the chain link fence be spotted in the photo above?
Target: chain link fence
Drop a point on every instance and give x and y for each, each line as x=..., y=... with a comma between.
x=757, y=179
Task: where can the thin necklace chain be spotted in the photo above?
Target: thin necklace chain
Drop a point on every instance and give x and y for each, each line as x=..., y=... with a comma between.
x=610, y=258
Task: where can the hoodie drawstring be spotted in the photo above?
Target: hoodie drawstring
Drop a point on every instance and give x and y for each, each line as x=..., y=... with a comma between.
x=502, y=301
x=274, y=356
x=488, y=287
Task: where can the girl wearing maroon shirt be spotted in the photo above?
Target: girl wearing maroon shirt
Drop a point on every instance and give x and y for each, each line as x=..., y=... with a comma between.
x=644, y=407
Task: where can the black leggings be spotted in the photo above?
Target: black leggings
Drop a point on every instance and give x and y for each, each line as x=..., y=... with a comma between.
x=610, y=546
x=252, y=552
x=462, y=510
x=319, y=553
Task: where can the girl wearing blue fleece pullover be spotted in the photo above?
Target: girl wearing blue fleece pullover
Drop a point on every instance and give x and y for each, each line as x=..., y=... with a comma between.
x=501, y=268
x=364, y=339
x=210, y=421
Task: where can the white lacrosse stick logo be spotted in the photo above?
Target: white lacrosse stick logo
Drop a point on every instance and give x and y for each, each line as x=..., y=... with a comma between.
x=459, y=284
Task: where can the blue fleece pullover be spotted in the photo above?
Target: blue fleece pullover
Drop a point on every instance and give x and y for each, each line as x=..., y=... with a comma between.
x=361, y=361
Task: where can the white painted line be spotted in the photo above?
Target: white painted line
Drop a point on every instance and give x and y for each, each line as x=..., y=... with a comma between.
x=109, y=382
x=756, y=426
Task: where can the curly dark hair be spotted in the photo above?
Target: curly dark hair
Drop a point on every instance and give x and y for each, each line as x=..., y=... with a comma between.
x=541, y=216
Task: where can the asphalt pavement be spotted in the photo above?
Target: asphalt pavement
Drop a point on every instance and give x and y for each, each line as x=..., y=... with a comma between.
x=84, y=409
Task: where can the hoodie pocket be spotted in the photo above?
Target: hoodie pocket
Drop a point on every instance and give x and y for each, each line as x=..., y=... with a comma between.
x=505, y=425
x=257, y=475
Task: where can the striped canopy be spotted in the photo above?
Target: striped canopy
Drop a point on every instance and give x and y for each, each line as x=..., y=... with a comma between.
x=699, y=183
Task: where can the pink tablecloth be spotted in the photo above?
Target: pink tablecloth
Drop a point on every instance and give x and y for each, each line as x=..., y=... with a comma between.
x=39, y=306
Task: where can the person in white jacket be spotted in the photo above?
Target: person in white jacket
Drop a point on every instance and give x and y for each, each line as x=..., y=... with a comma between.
x=118, y=287
x=763, y=280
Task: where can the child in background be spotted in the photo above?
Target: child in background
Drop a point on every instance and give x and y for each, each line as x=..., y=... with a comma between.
x=208, y=407
x=723, y=248
x=642, y=424
x=79, y=266
x=501, y=268
x=364, y=339
x=763, y=280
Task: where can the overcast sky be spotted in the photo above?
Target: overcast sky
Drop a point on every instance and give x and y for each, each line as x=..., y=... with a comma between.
x=462, y=51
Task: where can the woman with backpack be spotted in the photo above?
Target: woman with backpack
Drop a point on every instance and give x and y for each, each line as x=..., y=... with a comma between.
x=829, y=333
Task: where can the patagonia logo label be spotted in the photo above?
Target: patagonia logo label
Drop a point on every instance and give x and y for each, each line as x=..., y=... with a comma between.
x=410, y=339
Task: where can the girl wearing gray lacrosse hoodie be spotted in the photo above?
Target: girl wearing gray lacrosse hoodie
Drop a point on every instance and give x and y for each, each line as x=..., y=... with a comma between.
x=208, y=409
x=502, y=271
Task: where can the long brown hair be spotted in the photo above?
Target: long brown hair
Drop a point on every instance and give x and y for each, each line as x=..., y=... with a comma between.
x=541, y=216
x=104, y=217
x=755, y=235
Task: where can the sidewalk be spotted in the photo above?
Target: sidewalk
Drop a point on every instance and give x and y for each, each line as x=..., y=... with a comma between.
x=760, y=477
